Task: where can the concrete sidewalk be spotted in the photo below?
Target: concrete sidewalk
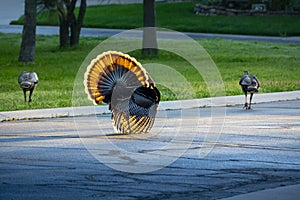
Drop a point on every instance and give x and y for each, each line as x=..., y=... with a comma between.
x=165, y=105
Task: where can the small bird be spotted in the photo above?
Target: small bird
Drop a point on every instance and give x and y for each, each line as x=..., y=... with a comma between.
x=119, y=80
x=28, y=81
x=249, y=84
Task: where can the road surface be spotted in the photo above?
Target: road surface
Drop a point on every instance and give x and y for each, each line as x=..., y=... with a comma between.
x=66, y=158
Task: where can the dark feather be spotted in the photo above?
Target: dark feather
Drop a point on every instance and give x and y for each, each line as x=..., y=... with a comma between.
x=28, y=81
x=120, y=81
x=249, y=83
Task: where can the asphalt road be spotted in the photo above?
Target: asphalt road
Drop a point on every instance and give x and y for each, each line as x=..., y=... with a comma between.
x=99, y=32
x=67, y=158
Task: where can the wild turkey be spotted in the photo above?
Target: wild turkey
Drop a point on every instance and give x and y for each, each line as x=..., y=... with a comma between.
x=120, y=81
x=28, y=81
x=249, y=84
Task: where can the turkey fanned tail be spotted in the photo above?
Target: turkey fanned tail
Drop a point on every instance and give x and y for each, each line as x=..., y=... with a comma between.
x=120, y=81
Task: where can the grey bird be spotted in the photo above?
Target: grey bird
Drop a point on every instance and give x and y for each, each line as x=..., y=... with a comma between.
x=250, y=84
x=28, y=81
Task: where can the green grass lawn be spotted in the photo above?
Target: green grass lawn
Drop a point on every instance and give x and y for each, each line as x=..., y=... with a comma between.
x=180, y=17
x=276, y=65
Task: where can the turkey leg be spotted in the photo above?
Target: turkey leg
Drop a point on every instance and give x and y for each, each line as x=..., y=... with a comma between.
x=251, y=95
x=30, y=94
x=246, y=103
x=24, y=92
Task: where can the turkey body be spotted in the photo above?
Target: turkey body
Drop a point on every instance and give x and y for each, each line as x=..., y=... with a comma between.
x=28, y=81
x=250, y=84
x=119, y=80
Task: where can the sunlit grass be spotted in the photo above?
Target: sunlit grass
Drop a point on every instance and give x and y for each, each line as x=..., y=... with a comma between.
x=180, y=17
x=276, y=66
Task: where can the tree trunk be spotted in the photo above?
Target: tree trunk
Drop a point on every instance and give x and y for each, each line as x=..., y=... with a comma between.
x=70, y=27
x=64, y=38
x=70, y=5
x=27, y=51
x=77, y=24
x=149, y=31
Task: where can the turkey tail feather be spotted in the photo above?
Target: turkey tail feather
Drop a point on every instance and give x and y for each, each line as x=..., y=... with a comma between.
x=106, y=70
x=121, y=81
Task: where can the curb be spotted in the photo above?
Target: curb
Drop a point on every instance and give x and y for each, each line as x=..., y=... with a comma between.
x=165, y=105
